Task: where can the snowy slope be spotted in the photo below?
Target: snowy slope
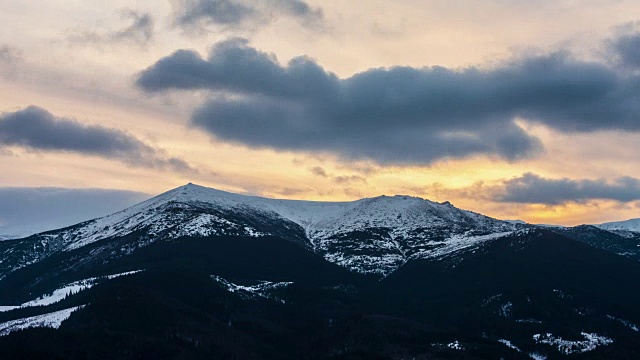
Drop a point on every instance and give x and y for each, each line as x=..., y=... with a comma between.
x=627, y=225
x=50, y=320
x=260, y=288
x=61, y=292
x=372, y=235
x=567, y=347
x=318, y=219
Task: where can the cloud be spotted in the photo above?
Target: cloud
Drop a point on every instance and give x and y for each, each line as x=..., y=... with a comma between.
x=10, y=60
x=139, y=31
x=626, y=45
x=319, y=171
x=396, y=115
x=30, y=210
x=343, y=179
x=364, y=169
x=533, y=189
x=10, y=55
x=233, y=14
x=339, y=179
x=354, y=193
x=36, y=128
x=290, y=191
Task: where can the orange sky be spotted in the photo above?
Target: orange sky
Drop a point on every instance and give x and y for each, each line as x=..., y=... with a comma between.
x=55, y=67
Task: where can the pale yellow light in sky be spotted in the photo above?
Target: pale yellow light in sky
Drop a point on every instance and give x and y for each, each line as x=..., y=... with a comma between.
x=94, y=84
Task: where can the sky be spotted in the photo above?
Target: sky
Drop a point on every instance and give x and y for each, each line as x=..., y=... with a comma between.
x=515, y=109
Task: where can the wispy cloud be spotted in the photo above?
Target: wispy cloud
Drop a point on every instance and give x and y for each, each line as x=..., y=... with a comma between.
x=319, y=171
x=10, y=54
x=235, y=14
x=343, y=179
x=139, y=31
x=338, y=179
x=10, y=60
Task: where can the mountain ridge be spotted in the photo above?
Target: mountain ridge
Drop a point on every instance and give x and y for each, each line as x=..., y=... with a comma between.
x=371, y=235
x=389, y=277
x=632, y=225
x=391, y=229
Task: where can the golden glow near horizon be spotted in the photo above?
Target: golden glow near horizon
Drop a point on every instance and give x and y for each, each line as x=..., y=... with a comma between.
x=45, y=64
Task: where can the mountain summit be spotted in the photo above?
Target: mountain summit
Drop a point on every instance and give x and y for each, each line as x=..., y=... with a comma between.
x=631, y=225
x=371, y=235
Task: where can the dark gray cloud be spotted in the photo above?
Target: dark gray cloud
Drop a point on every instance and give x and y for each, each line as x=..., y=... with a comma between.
x=36, y=128
x=534, y=189
x=32, y=210
x=242, y=13
x=140, y=30
x=398, y=114
x=224, y=12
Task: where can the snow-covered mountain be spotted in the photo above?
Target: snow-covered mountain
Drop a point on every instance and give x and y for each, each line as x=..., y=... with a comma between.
x=371, y=235
x=622, y=237
x=203, y=273
x=632, y=225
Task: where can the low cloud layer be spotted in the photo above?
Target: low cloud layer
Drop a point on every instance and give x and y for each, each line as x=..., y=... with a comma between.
x=30, y=210
x=36, y=128
x=399, y=114
x=534, y=189
x=242, y=13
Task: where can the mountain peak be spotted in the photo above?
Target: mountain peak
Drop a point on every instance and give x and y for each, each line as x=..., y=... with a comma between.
x=193, y=187
x=626, y=225
x=196, y=193
x=397, y=224
x=203, y=194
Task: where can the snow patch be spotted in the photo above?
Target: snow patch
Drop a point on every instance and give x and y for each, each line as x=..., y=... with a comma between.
x=455, y=346
x=632, y=225
x=490, y=299
x=506, y=310
x=561, y=294
x=510, y=345
x=626, y=323
x=458, y=243
x=50, y=320
x=537, y=356
x=68, y=289
x=261, y=289
x=567, y=347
